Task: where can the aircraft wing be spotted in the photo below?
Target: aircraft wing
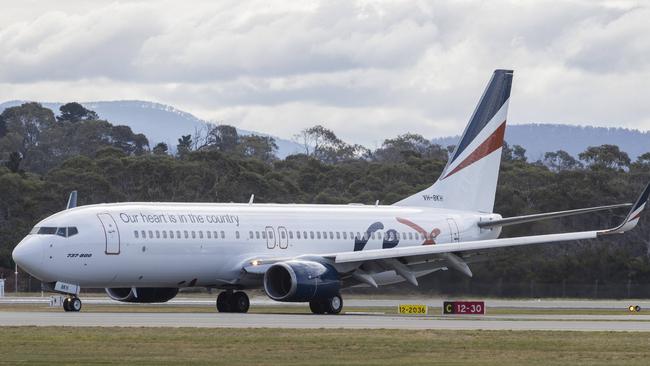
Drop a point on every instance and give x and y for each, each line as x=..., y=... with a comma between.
x=425, y=250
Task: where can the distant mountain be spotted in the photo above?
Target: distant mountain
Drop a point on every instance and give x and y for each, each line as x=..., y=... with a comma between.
x=159, y=122
x=538, y=139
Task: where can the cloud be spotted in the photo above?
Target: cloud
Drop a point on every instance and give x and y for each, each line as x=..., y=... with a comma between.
x=367, y=69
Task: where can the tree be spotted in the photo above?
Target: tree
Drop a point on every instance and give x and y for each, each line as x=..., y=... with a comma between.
x=160, y=149
x=75, y=112
x=409, y=144
x=516, y=153
x=184, y=146
x=324, y=145
x=605, y=156
x=24, y=125
x=3, y=127
x=561, y=160
x=13, y=164
x=258, y=147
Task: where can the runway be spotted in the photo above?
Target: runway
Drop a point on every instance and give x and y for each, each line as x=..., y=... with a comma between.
x=637, y=323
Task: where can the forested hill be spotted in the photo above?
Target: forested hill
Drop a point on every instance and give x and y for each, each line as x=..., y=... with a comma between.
x=538, y=139
x=44, y=156
x=159, y=122
x=164, y=123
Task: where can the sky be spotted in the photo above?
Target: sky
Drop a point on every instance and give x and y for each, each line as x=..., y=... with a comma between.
x=368, y=70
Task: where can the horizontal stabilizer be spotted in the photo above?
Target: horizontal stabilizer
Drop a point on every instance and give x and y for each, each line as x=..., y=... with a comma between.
x=546, y=216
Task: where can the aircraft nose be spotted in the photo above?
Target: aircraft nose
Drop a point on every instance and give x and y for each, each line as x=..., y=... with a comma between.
x=28, y=254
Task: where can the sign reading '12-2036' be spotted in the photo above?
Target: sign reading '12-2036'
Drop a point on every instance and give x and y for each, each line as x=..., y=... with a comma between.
x=463, y=307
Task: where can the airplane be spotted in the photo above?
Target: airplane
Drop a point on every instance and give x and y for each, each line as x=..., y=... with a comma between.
x=145, y=252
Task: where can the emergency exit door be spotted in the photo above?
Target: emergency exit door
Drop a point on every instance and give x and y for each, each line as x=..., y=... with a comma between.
x=111, y=233
x=453, y=231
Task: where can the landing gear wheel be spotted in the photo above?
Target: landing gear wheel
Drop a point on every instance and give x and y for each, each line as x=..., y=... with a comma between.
x=334, y=304
x=317, y=306
x=239, y=302
x=75, y=304
x=72, y=304
x=224, y=302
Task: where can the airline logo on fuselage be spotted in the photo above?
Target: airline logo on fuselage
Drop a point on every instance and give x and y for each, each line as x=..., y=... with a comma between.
x=392, y=237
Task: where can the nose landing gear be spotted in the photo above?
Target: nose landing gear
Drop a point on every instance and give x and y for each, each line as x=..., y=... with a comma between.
x=72, y=303
x=233, y=302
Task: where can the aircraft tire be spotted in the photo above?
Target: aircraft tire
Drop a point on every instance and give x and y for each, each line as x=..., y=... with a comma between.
x=239, y=302
x=317, y=306
x=334, y=304
x=75, y=304
x=223, y=302
x=66, y=304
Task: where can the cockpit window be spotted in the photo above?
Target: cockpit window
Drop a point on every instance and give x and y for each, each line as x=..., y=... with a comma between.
x=45, y=230
x=65, y=232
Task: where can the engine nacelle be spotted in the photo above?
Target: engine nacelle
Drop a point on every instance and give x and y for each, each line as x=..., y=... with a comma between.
x=301, y=281
x=142, y=294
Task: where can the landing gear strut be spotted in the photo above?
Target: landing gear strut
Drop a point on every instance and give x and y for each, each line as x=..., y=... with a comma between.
x=232, y=302
x=72, y=303
x=330, y=305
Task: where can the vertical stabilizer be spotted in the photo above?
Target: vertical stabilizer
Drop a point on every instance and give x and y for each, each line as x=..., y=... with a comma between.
x=469, y=180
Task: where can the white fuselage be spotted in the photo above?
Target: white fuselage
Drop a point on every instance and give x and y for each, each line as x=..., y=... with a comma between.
x=189, y=244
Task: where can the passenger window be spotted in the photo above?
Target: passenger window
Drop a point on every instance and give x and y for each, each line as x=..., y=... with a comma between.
x=187, y=236
x=345, y=235
x=324, y=235
x=223, y=234
x=171, y=234
x=283, y=235
x=311, y=234
x=304, y=234
x=136, y=234
x=157, y=234
x=250, y=233
x=164, y=234
x=237, y=234
x=200, y=234
x=193, y=234
x=270, y=234
x=338, y=235
x=297, y=234
x=331, y=235
x=264, y=234
x=144, y=234
x=150, y=234
x=290, y=234
x=318, y=234
x=257, y=235
x=178, y=234
x=72, y=231
x=209, y=234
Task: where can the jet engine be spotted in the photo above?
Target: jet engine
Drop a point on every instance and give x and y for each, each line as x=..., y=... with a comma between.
x=301, y=281
x=142, y=294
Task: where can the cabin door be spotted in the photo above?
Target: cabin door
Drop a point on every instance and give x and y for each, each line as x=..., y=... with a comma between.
x=111, y=233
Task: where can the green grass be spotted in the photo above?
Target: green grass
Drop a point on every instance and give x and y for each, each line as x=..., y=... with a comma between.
x=156, y=346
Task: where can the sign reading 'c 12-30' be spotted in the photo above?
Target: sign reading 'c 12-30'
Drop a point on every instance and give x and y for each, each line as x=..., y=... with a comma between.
x=463, y=307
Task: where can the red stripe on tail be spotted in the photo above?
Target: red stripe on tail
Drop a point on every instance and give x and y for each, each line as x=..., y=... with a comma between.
x=492, y=143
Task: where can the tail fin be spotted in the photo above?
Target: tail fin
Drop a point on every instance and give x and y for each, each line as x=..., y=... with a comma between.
x=469, y=181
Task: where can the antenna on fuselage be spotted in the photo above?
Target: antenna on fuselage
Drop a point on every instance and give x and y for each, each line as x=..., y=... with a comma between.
x=72, y=200
x=250, y=201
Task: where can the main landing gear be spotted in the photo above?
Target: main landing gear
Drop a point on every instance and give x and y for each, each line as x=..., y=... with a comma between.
x=330, y=305
x=72, y=303
x=232, y=302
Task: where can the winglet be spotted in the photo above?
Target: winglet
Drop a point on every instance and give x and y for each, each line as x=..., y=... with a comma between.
x=72, y=200
x=633, y=216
